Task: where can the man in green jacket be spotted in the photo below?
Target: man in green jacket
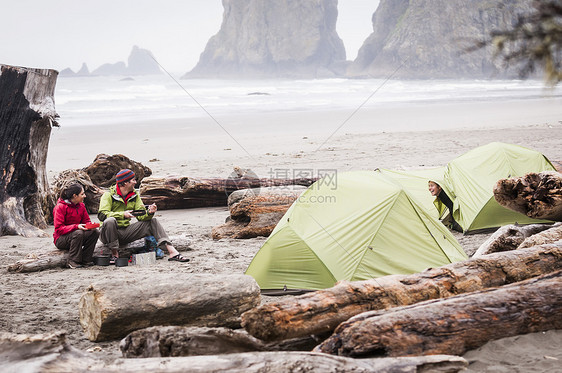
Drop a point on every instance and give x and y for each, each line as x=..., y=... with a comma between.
x=118, y=206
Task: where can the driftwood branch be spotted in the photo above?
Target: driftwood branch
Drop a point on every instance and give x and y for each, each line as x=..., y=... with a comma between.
x=51, y=353
x=27, y=114
x=550, y=235
x=455, y=325
x=537, y=195
x=509, y=237
x=321, y=311
x=110, y=310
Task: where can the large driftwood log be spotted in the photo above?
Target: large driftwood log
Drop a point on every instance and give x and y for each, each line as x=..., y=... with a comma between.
x=256, y=212
x=454, y=325
x=93, y=192
x=103, y=169
x=174, y=341
x=537, y=195
x=51, y=353
x=181, y=192
x=321, y=311
x=111, y=311
x=509, y=237
x=27, y=114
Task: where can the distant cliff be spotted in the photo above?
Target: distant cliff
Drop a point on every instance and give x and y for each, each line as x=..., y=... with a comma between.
x=426, y=38
x=281, y=38
x=140, y=62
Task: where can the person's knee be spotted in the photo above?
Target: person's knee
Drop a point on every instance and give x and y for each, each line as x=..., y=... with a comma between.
x=109, y=222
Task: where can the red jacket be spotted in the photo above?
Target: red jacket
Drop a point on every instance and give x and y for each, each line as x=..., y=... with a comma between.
x=67, y=216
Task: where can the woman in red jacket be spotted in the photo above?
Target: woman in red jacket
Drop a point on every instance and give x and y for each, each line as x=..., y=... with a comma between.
x=70, y=233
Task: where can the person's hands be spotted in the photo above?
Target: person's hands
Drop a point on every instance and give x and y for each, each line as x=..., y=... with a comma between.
x=82, y=227
x=127, y=214
x=152, y=208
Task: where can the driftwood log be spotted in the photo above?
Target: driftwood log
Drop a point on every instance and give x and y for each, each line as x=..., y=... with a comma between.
x=454, y=325
x=550, y=235
x=35, y=262
x=537, y=195
x=51, y=353
x=181, y=192
x=103, y=169
x=321, y=311
x=174, y=341
x=509, y=237
x=27, y=115
x=111, y=311
x=93, y=192
x=256, y=212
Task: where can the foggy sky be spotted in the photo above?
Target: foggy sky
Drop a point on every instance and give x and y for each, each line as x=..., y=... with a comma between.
x=65, y=33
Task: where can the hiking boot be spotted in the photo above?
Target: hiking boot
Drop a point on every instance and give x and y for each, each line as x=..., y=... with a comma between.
x=72, y=264
x=88, y=264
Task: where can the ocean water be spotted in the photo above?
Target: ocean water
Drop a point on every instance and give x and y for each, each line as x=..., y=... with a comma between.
x=86, y=101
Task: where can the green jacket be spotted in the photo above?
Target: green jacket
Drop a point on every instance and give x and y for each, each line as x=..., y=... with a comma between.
x=113, y=206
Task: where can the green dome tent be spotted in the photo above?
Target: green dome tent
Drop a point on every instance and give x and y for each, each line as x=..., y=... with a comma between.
x=472, y=177
x=360, y=226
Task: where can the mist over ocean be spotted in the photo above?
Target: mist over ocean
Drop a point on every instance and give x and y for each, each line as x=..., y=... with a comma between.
x=90, y=101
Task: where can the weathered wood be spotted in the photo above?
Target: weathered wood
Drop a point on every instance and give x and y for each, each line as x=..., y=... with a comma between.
x=454, y=325
x=323, y=310
x=40, y=262
x=537, y=195
x=110, y=310
x=174, y=341
x=550, y=235
x=256, y=212
x=93, y=192
x=182, y=192
x=288, y=362
x=51, y=353
x=27, y=114
x=103, y=169
x=509, y=237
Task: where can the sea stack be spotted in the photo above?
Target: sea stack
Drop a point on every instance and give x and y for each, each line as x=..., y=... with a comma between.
x=282, y=38
x=427, y=39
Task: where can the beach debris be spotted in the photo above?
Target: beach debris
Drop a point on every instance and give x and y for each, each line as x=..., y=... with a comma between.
x=256, y=212
x=323, y=310
x=93, y=192
x=551, y=235
x=182, y=192
x=454, y=325
x=537, y=195
x=41, y=261
x=174, y=341
x=509, y=237
x=110, y=310
x=27, y=112
x=103, y=169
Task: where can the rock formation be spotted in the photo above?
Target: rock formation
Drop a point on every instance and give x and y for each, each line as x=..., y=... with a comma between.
x=426, y=39
x=283, y=38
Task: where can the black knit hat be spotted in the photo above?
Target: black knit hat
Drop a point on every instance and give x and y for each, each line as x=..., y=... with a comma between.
x=124, y=175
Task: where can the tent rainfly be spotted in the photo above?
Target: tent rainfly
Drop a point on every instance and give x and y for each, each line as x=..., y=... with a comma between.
x=355, y=226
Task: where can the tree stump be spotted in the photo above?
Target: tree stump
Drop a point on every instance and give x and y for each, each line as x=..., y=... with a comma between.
x=256, y=212
x=27, y=115
x=93, y=192
x=111, y=311
x=103, y=169
x=454, y=325
x=537, y=195
x=321, y=311
x=182, y=192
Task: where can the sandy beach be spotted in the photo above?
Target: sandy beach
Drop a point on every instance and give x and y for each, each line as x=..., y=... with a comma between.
x=397, y=138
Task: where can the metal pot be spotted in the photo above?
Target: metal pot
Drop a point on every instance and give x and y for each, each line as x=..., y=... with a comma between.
x=121, y=262
x=101, y=260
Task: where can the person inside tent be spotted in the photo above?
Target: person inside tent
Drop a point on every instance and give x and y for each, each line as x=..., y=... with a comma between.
x=441, y=198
